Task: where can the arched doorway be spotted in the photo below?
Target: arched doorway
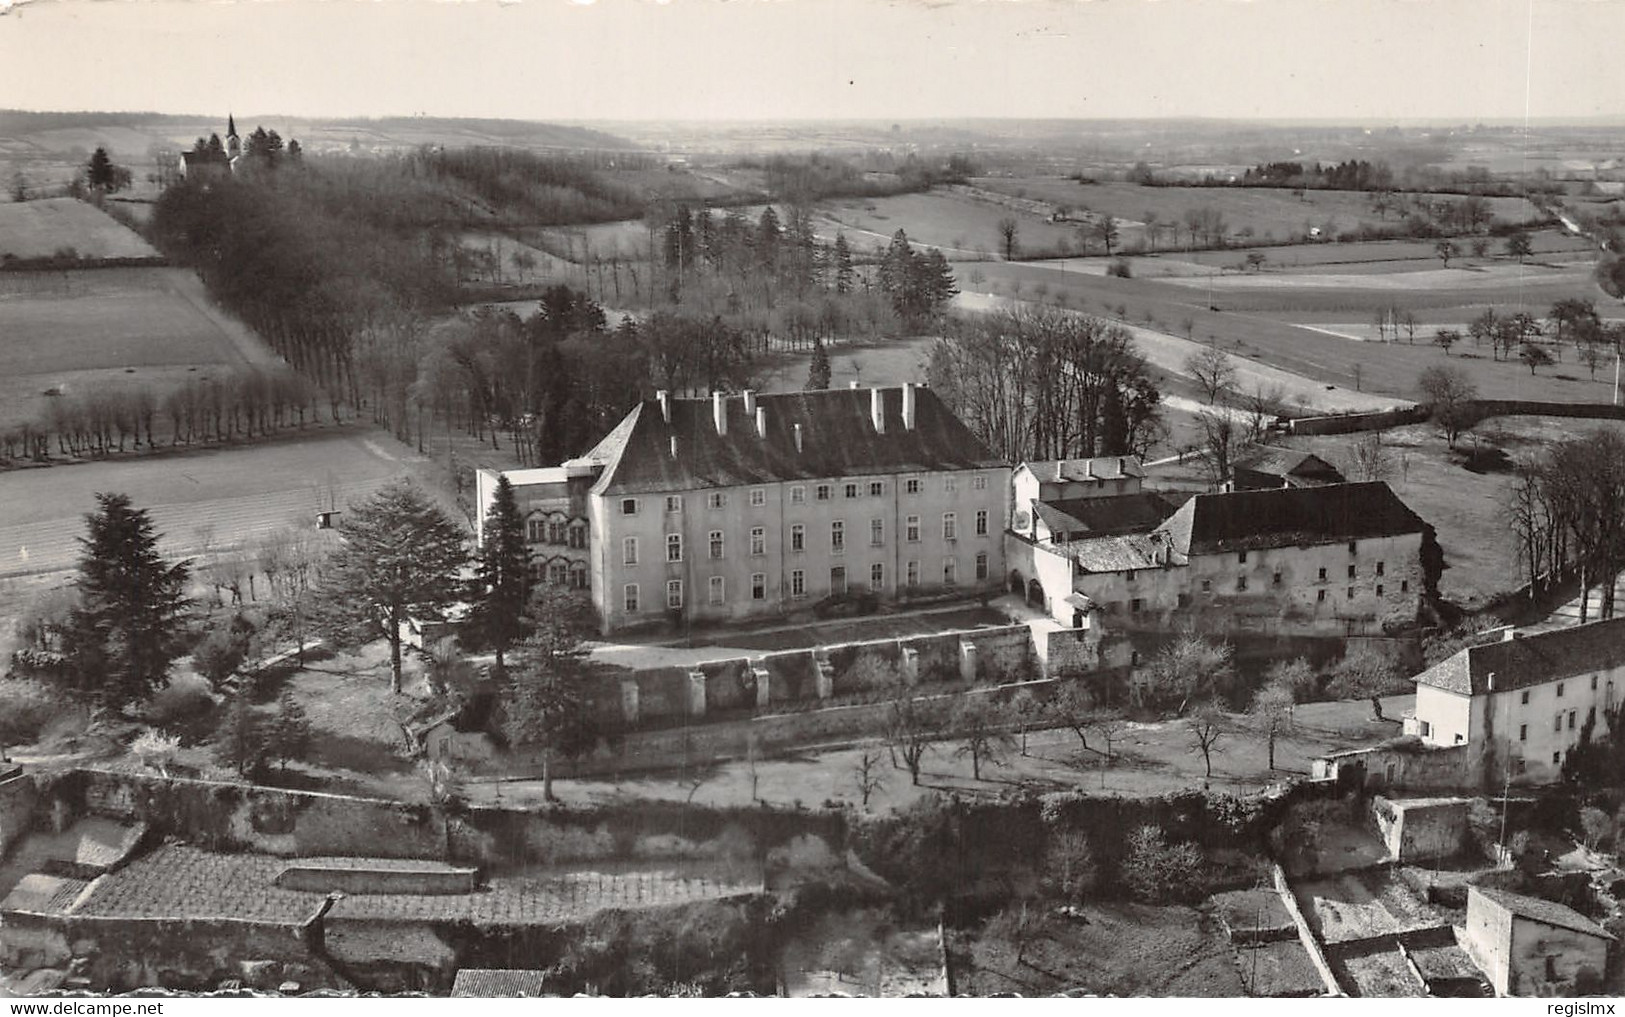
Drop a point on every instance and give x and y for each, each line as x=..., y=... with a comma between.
x=1035, y=594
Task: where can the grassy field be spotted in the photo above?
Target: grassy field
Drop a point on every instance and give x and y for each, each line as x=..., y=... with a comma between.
x=1269, y=213
x=38, y=229
x=68, y=330
x=961, y=225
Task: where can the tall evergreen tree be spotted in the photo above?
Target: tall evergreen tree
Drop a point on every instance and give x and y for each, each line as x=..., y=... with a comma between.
x=843, y=265
x=400, y=557
x=502, y=582
x=818, y=370
x=125, y=632
x=544, y=705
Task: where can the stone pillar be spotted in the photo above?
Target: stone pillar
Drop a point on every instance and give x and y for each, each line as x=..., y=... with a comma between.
x=824, y=673
x=909, y=664
x=764, y=685
x=629, y=700
x=696, y=693
x=967, y=661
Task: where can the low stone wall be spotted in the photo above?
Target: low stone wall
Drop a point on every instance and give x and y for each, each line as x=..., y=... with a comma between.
x=18, y=795
x=1404, y=764
x=1472, y=411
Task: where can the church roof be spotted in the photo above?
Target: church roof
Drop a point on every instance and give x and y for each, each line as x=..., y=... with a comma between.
x=838, y=439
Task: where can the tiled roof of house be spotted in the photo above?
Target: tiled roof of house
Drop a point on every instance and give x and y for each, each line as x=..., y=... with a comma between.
x=838, y=439
x=494, y=983
x=1114, y=554
x=1286, y=516
x=1533, y=659
x=1547, y=912
x=1288, y=462
x=1052, y=471
x=1099, y=517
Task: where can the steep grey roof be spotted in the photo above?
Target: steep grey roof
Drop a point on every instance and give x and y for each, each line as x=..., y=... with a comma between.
x=838, y=439
x=1114, y=554
x=1533, y=659
x=1099, y=517
x=1288, y=462
x=1286, y=516
x=494, y=983
x=1548, y=912
x=1052, y=471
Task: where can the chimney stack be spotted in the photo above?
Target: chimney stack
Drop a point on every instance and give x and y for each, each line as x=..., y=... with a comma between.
x=665, y=404
x=798, y=437
x=761, y=421
x=750, y=402
x=1088, y=469
x=719, y=411
x=877, y=410
x=908, y=405
x=674, y=446
x=852, y=385
x=1122, y=467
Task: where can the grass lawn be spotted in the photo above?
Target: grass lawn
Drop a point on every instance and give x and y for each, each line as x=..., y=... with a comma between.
x=1118, y=949
x=38, y=229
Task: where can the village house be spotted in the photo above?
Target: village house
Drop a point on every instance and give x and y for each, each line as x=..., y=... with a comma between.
x=734, y=508
x=1339, y=559
x=1532, y=947
x=1058, y=501
x=1522, y=702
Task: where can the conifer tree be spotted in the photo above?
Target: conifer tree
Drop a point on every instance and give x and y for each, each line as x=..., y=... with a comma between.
x=818, y=370
x=843, y=265
x=289, y=734
x=119, y=641
x=400, y=558
x=544, y=705
x=240, y=740
x=502, y=582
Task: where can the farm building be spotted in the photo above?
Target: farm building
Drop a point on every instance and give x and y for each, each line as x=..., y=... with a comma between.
x=1336, y=559
x=1533, y=947
x=1522, y=702
x=1269, y=466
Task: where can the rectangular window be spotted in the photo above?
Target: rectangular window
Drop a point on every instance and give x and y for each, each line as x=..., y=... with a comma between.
x=758, y=496
x=1241, y=584
x=674, y=594
x=1241, y=557
x=1427, y=728
x=837, y=579
x=950, y=571
x=1320, y=596
x=716, y=499
x=1135, y=605
x=851, y=490
x=913, y=529
x=1350, y=595
x=981, y=522
x=674, y=503
x=1560, y=690
x=912, y=485
x=877, y=577
x=1379, y=589
x=1572, y=714
x=1351, y=572
x=876, y=488
x=1128, y=576
x=1523, y=732
x=578, y=536
x=1523, y=698
x=629, y=598
x=1559, y=725
x=913, y=575
x=758, y=540
x=535, y=531
x=798, y=494
x=798, y=584
x=949, y=483
x=950, y=525
x=1557, y=757
x=555, y=533
x=629, y=506
x=629, y=551
x=716, y=543
x=981, y=566
x=877, y=533
x=1404, y=586
x=674, y=547
x=798, y=537
x=1380, y=566
x=558, y=573
x=716, y=591
x=1353, y=545
x=1593, y=683
x=1275, y=580
x=1323, y=575
x=1207, y=586
x=822, y=492
x=758, y=586
x=1184, y=600
x=978, y=482
x=1591, y=716
x=837, y=537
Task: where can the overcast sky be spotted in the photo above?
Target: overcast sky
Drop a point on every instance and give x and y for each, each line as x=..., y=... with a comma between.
x=1355, y=60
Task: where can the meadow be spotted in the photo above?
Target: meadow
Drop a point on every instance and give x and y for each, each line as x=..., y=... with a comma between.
x=66, y=331
x=39, y=229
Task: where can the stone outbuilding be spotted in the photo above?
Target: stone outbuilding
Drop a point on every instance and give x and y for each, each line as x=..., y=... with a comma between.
x=1532, y=947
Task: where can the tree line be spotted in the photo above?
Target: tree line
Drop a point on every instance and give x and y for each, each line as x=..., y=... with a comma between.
x=1567, y=515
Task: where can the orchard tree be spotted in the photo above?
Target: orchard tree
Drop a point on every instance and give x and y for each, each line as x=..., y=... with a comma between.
x=1206, y=726
x=985, y=740
x=1447, y=390
x=1445, y=338
x=1008, y=242
x=125, y=631
x=1271, y=710
x=1518, y=245
x=399, y=558
x=1534, y=356
x=1446, y=250
x=502, y=579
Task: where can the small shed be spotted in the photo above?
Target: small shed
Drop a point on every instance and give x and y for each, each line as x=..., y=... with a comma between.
x=1421, y=829
x=1527, y=946
x=497, y=983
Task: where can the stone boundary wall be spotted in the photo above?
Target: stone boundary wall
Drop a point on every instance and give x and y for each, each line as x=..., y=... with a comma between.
x=1306, y=935
x=1472, y=410
x=417, y=882
x=18, y=795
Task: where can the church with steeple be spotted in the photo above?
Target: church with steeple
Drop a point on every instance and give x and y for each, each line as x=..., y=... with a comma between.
x=213, y=156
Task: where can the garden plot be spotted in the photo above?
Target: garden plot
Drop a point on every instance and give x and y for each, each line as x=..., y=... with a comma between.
x=1362, y=905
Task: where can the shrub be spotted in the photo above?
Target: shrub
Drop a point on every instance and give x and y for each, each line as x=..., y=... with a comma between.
x=155, y=749
x=1120, y=269
x=1157, y=872
x=1070, y=871
x=221, y=651
x=26, y=707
